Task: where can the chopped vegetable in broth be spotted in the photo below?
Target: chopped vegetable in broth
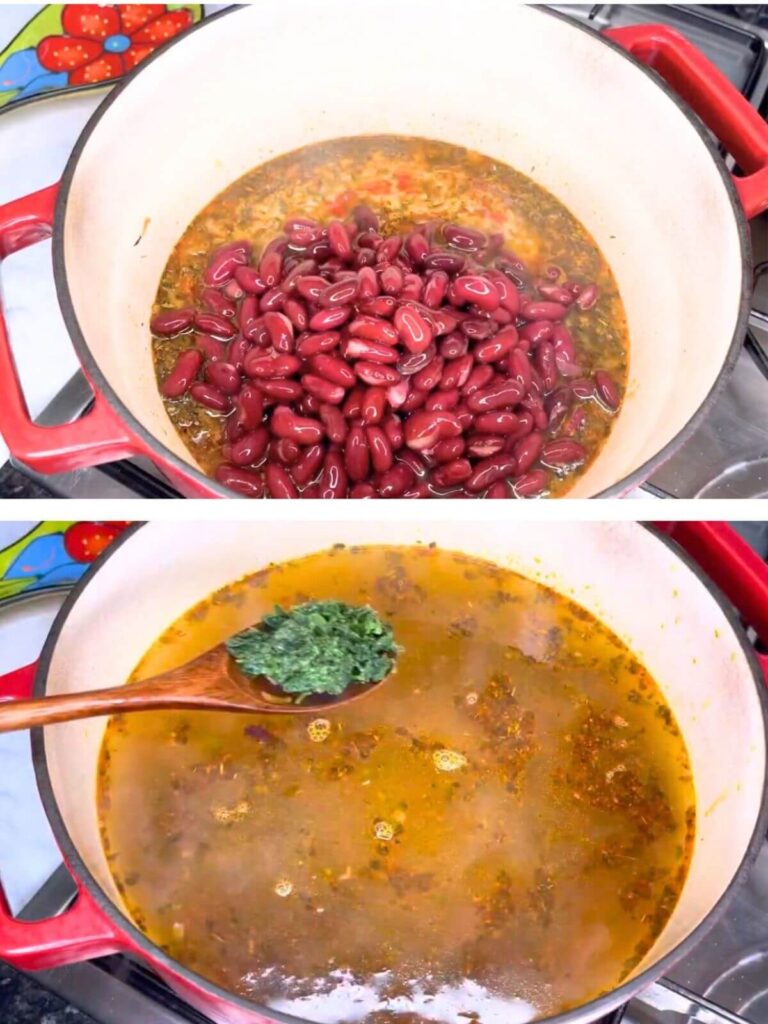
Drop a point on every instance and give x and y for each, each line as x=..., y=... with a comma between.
x=408, y=185
x=499, y=831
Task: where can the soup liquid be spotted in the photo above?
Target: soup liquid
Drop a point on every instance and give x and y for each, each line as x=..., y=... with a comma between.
x=407, y=181
x=498, y=832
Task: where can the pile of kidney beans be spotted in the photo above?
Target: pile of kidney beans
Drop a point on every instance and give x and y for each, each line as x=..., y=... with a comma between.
x=347, y=363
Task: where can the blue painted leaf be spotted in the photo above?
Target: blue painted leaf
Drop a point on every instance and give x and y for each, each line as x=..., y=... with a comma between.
x=46, y=82
x=69, y=573
x=20, y=69
x=40, y=557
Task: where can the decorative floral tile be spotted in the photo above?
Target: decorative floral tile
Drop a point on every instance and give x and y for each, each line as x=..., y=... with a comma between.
x=79, y=46
x=50, y=554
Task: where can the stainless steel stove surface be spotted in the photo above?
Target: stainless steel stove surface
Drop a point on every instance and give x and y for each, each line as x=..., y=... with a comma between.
x=726, y=457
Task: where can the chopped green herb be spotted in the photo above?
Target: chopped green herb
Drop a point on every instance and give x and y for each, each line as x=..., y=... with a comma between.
x=317, y=647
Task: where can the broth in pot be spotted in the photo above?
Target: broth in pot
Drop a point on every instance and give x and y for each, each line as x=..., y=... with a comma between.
x=499, y=832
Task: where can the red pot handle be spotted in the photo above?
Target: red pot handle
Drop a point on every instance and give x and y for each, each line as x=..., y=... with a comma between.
x=79, y=932
x=732, y=565
x=717, y=101
x=99, y=435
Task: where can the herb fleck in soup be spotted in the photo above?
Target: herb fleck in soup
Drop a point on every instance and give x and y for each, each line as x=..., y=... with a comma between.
x=465, y=265
x=501, y=830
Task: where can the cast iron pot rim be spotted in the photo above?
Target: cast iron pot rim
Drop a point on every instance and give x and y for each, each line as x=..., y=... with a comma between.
x=186, y=469
x=593, y=1010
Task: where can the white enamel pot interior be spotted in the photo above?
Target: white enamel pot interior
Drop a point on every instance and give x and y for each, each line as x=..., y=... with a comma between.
x=621, y=572
x=516, y=83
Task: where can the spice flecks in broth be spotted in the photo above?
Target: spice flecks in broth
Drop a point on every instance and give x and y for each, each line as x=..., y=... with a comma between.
x=354, y=880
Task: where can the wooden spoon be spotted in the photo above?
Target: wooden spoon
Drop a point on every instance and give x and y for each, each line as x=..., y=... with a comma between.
x=210, y=682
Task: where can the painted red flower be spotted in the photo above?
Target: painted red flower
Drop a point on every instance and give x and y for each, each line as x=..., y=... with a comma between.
x=84, y=542
x=103, y=42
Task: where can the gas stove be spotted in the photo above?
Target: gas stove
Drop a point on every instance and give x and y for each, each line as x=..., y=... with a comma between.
x=726, y=457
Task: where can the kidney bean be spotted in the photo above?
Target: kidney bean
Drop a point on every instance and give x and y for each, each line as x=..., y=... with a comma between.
x=374, y=328
x=308, y=464
x=606, y=390
x=334, y=422
x=313, y=491
x=282, y=390
x=380, y=449
x=248, y=412
x=481, y=446
x=333, y=479
x=454, y=345
x=393, y=429
x=537, y=331
x=414, y=399
x=301, y=429
x=448, y=450
x=375, y=351
x=415, y=463
x=279, y=483
x=361, y=491
x=250, y=448
x=488, y=471
x=338, y=240
x=280, y=330
x=394, y=482
x=330, y=319
x=183, y=373
x=464, y=416
x=544, y=361
x=373, y=405
x=442, y=400
x=398, y=394
x=478, y=378
x=444, y=322
x=452, y=473
x=309, y=405
x=270, y=267
x=376, y=374
x=391, y=280
x=574, y=424
x=424, y=429
x=353, y=403
x=435, y=289
x=296, y=312
x=477, y=330
x=223, y=376
x=562, y=452
x=414, y=331
x=364, y=258
x=378, y=306
x=527, y=450
x=529, y=485
x=172, y=322
x=555, y=293
x=310, y=344
x=212, y=323
x=495, y=349
x=543, y=311
x=213, y=349
x=456, y=373
x=449, y=262
x=249, y=280
x=466, y=239
x=497, y=396
x=368, y=284
x=262, y=367
x=566, y=368
x=502, y=317
x=323, y=389
x=557, y=405
x=519, y=368
x=583, y=388
x=340, y=293
x=365, y=218
x=334, y=370
x=357, y=454
x=210, y=397
x=497, y=422
x=245, y=482
x=250, y=323
x=475, y=289
x=216, y=302
x=498, y=490
x=509, y=296
x=587, y=297
x=311, y=287
x=223, y=262
x=535, y=406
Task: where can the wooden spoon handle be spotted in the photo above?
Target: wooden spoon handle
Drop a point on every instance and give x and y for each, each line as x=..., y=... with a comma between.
x=67, y=707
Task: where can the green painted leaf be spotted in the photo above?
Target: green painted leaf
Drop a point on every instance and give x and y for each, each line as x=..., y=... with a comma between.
x=9, y=554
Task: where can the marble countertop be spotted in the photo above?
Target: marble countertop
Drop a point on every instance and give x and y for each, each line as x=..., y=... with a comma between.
x=24, y=1001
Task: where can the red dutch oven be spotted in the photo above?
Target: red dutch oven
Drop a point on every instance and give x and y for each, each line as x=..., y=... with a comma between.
x=617, y=142
x=659, y=596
